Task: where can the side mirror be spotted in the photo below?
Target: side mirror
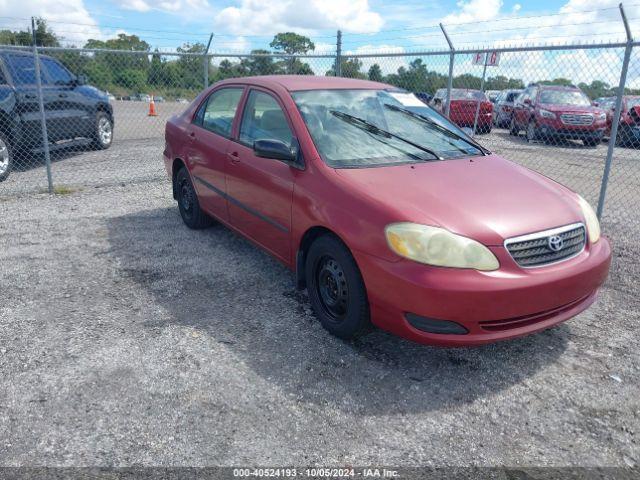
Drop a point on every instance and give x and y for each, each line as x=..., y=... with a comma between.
x=276, y=149
x=81, y=79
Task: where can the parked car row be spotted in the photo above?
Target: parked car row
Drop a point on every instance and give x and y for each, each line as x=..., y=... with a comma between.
x=76, y=114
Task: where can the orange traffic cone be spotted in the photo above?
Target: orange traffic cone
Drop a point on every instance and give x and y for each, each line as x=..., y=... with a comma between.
x=152, y=108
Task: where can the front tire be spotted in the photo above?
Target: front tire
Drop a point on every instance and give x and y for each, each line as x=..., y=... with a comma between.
x=592, y=142
x=336, y=290
x=190, y=211
x=6, y=157
x=103, y=131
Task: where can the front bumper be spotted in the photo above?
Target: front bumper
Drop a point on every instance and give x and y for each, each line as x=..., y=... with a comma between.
x=507, y=303
x=576, y=133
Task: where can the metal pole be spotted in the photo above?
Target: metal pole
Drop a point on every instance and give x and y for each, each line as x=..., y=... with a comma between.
x=616, y=113
x=338, y=68
x=206, y=62
x=43, y=122
x=452, y=54
x=484, y=72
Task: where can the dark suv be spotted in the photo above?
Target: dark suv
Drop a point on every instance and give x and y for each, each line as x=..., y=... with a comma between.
x=76, y=114
x=547, y=112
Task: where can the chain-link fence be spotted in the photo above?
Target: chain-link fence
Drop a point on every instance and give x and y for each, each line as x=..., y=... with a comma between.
x=553, y=109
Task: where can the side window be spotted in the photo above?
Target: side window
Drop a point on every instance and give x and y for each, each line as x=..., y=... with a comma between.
x=3, y=80
x=22, y=69
x=58, y=75
x=263, y=119
x=218, y=111
x=533, y=95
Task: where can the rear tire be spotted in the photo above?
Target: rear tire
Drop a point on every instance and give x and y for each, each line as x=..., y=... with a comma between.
x=532, y=131
x=190, y=211
x=336, y=290
x=6, y=157
x=513, y=128
x=103, y=131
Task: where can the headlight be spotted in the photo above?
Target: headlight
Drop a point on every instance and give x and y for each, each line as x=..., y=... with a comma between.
x=547, y=114
x=439, y=247
x=593, y=225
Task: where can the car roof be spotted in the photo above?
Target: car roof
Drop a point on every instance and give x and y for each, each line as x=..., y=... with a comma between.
x=308, y=82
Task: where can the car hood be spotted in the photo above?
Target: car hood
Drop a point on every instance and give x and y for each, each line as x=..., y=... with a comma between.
x=556, y=108
x=485, y=198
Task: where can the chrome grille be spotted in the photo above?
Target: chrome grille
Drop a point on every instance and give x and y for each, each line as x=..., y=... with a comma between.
x=535, y=250
x=576, y=119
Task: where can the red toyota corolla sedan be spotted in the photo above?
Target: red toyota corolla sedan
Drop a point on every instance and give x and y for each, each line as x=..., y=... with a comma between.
x=387, y=212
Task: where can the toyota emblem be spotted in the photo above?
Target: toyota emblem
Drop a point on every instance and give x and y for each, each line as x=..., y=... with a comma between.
x=555, y=243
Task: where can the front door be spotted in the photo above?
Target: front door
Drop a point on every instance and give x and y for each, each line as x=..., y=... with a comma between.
x=260, y=190
x=209, y=135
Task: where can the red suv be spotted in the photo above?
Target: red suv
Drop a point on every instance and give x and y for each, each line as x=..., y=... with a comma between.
x=464, y=103
x=548, y=112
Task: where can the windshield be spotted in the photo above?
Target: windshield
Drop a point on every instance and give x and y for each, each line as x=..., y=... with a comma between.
x=633, y=102
x=364, y=128
x=564, y=97
x=467, y=95
x=511, y=96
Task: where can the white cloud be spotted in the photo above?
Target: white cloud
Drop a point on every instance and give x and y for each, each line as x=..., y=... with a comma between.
x=473, y=11
x=67, y=18
x=266, y=17
x=165, y=5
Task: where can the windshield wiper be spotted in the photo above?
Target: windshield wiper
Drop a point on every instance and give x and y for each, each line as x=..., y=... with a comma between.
x=373, y=128
x=436, y=125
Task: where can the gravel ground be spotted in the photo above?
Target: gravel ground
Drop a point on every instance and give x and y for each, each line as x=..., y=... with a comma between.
x=127, y=339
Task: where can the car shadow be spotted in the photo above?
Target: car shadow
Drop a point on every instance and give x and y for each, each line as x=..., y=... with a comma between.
x=520, y=139
x=26, y=161
x=220, y=284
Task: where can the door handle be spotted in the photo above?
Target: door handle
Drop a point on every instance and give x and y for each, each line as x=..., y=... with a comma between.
x=234, y=157
x=192, y=135
x=30, y=95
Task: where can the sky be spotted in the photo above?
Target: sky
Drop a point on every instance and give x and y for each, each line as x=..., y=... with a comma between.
x=368, y=26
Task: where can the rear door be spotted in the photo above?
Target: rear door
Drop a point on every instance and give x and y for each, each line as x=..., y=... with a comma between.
x=209, y=135
x=261, y=189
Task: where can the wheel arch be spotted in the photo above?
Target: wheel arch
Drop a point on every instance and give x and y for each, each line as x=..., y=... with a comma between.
x=306, y=241
x=177, y=165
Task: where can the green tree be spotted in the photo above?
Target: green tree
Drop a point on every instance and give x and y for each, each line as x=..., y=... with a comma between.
x=260, y=64
x=375, y=73
x=45, y=37
x=293, y=44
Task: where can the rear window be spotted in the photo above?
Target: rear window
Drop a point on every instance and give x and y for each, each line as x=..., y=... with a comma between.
x=22, y=68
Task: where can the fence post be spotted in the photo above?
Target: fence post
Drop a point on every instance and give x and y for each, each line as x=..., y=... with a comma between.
x=43, y=122
x=451, y=60
x=338, y=68
x=616, y=114
x=484, y=73
x=206, y=62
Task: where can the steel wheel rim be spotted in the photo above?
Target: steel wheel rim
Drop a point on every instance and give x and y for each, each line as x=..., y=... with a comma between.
x=104, y=130
x=331, y=288
x=4, y=157
x=186, y=198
